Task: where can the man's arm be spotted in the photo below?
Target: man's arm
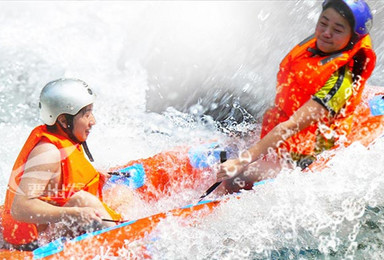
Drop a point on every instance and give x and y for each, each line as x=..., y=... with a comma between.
x=43, y=167
x=309, y=113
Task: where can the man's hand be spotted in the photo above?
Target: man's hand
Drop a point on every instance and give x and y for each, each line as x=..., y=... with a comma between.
x=229, y=169
x=86, y=218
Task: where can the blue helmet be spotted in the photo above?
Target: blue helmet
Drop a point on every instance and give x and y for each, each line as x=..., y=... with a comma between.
x=358, y=10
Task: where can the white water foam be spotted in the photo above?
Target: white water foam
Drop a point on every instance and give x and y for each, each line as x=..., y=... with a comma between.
x=120, y=47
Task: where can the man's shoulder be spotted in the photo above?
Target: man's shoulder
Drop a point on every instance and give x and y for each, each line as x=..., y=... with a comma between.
x=46, y=150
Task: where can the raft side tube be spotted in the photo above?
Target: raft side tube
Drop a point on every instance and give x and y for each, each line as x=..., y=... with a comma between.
x=57, y=246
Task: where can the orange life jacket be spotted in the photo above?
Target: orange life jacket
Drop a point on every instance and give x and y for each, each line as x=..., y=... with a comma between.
x=77, y=173
x=301, y=75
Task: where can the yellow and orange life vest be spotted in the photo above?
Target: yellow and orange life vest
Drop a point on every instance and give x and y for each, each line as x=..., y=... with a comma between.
x=77, y=173
x=302, y=74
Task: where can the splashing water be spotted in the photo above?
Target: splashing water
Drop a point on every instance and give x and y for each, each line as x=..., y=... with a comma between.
x=159, y=70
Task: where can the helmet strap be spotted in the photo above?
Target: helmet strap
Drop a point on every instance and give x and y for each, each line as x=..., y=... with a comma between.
x=87, y=152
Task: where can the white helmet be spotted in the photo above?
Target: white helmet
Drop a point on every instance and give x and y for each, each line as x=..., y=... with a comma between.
x=64, y=96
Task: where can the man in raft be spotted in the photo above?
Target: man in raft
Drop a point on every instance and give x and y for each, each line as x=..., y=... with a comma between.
x=54, y=190
x=319, y=85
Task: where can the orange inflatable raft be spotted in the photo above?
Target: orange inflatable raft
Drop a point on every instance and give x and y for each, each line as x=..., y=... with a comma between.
x=161, y=175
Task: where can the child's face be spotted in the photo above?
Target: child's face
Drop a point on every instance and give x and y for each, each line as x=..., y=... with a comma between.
x=83, y=122
x=333, y=31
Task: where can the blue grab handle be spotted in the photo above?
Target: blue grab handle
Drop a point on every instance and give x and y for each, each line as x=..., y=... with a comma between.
x=135, y=179
x=376, y=105
x=51, y=248
x=205, y=155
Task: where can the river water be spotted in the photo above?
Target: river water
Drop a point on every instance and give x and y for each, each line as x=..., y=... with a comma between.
x=159, y=66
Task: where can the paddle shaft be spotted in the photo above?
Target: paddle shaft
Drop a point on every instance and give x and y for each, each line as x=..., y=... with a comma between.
x=223, y=158
x=115, y=221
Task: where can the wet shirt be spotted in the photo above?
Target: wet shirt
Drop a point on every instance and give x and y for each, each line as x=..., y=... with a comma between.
x=333, y=96
x=336, y=91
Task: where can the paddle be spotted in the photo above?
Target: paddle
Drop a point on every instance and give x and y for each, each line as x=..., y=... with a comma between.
x=116, y=221
x=223, y=158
